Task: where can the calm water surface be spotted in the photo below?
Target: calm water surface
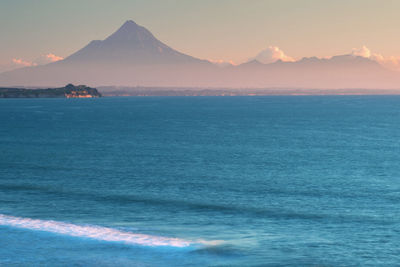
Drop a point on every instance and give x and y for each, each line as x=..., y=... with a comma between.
x=238, y=181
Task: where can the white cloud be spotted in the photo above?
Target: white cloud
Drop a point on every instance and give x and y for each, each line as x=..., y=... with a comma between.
x=19, y=62
x=53, y=57
x=272, y=54
x=16, y=63
x=222, y=63
x=390, y=62
x=23, y=63
x=48, y=58
x=361, y=52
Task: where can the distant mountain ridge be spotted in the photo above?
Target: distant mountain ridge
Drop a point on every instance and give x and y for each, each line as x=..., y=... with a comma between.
x=132, y=56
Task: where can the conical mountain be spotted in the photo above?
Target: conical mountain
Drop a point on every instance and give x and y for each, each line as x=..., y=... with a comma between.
x=130, y=56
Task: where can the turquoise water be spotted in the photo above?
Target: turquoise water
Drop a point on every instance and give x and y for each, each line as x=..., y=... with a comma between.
x=200, y=181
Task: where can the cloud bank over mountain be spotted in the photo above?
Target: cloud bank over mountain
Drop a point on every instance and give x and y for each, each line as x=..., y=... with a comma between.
x=391, y=62
x=272, y=54
x=16, y=63
x=23, y=63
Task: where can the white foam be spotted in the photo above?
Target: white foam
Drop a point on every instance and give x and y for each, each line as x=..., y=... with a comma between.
x=92, y=232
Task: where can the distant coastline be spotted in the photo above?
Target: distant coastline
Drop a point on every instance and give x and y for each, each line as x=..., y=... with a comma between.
x=186, y=91
x=83, y=91
x=69, y=91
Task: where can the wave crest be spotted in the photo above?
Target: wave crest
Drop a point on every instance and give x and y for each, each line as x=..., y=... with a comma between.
x=92, y=232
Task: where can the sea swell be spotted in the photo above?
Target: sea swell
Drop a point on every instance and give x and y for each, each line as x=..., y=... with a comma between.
x=200, y=207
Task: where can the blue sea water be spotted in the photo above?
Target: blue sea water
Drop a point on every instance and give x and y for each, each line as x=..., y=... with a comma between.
x=200, y=181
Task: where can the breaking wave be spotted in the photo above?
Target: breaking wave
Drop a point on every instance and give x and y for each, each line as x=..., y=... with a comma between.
x=94, y=232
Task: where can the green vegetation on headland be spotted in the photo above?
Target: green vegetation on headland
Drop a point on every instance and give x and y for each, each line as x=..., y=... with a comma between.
x=69, y=91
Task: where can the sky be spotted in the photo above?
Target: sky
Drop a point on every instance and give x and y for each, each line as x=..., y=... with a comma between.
x=36, y=32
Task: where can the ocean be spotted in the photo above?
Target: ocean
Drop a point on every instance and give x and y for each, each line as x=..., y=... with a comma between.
x=200, y=181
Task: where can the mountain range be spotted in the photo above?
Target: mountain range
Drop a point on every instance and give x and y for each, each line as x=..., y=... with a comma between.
x=132, y=56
